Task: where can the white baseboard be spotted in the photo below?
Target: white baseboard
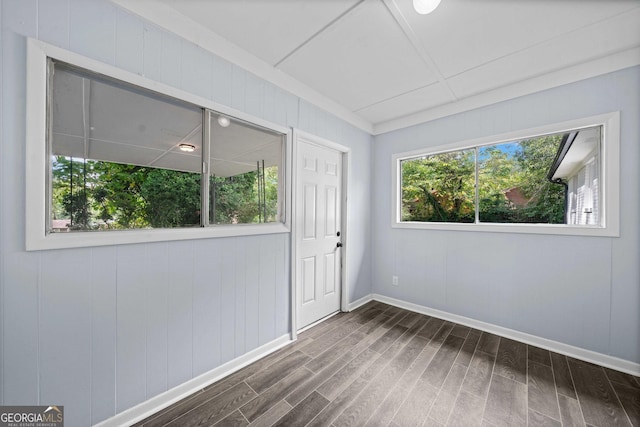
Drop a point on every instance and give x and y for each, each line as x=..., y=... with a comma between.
x=161, y=401
x=555, y=346
x=360, y=302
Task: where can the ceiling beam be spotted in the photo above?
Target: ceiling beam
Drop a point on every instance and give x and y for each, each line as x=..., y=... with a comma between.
x=168, y=18
x=402, y=22
x=603, y=65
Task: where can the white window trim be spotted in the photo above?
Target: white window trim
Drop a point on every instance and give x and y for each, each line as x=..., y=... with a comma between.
x=610, y=181
x=36, y=237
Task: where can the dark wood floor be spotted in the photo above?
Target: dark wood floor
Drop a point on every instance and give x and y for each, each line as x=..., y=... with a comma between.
x=384, y=366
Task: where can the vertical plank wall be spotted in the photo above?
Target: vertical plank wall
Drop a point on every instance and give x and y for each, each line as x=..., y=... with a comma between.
x=102, y=329
x=2, y=183
x=575, y=290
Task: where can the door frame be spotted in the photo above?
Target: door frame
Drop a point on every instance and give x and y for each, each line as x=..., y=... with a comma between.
x=299, y=135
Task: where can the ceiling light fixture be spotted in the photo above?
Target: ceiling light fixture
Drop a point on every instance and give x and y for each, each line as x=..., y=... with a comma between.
x=224, y=121
x=187, y=148
x=425, y=6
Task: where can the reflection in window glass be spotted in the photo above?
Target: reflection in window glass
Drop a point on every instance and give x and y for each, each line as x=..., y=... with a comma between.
x=439, y=188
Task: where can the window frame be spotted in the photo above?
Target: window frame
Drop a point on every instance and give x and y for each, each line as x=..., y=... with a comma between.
x=610, y=174
x=37, y=169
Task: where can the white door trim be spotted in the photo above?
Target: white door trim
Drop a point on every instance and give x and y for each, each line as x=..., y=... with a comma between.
x=299, y=135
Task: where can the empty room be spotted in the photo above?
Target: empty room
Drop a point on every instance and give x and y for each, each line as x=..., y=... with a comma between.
x=320, y=212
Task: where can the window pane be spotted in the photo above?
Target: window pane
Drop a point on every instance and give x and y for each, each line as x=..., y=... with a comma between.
x=245, y=172
x=439, y=188
x=91, y=195
x=512, y=182
x=578, y=165
x=117, y=161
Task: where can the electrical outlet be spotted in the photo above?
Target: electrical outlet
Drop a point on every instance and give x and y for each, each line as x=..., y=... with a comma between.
x=394, y=280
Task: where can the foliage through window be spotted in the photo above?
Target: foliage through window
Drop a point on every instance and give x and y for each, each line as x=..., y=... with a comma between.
x=439, y=187
x=548, y=179
x=123, y=157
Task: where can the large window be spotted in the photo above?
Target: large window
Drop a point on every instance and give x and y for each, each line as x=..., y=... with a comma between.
x=548, y=182
x=137, y=161
x=126, y=158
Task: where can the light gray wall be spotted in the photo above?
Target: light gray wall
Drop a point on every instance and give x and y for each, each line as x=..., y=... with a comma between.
x=99, y=330
x=581, y=291
x=2, y=233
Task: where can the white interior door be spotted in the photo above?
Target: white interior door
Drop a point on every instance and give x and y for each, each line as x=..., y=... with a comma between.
x=318, y=235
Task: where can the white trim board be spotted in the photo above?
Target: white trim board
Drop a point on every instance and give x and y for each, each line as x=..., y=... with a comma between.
x=555, y=346
x=169, y=397
x=360, y=302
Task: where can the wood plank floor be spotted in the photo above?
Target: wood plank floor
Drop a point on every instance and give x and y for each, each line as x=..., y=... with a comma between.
x=383, y=366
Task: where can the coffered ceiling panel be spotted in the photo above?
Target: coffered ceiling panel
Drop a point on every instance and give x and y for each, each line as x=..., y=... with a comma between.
x=461, y=35
x=380, y=65
x=268, y=29
x=367, y=49
x=599, y=40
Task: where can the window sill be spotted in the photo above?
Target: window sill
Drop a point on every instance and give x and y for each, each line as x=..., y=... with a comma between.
x=553, y=229
x=123, y=237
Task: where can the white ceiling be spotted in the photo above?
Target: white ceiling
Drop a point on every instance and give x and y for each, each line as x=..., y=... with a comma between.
x=380, y=65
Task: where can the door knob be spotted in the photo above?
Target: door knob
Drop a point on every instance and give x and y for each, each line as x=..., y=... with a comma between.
x=339, y=245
